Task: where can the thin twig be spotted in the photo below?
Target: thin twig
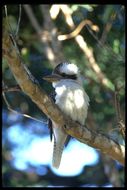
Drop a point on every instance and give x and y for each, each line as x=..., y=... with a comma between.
x=33, y=19
x=43, y=36
x=14, y=88
x=101, y=41
x=7, y=20
x=107, y=28
x=11, y=89
x=16, y=112
x=76, y=31
x=101, y=44
x=11, y=32
x=18, y=24
x=118, y=113
x=109, y=25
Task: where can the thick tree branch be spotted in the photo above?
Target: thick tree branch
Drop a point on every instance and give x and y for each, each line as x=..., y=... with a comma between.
x=30, y=86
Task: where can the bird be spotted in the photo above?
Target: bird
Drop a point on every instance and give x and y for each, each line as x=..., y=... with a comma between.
x=70, y=96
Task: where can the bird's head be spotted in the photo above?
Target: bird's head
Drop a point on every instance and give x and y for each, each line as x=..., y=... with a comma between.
x=64, y=71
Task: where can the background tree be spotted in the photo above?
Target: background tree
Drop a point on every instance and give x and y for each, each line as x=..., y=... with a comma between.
x=92, y=36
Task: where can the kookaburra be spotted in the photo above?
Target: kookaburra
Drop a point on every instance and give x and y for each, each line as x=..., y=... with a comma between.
x=71, y=98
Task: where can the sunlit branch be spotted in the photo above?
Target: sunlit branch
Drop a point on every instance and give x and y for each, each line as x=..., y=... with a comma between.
x=87, y=51
x=78, y=30
x=54, y=11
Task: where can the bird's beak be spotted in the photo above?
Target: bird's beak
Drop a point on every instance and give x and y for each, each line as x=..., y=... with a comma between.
x=52, y=78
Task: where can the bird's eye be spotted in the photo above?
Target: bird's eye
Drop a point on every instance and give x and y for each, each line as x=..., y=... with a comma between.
x=63, y=74
x=72, y=76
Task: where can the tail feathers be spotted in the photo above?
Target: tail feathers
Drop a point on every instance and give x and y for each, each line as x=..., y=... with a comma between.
x=57, y=154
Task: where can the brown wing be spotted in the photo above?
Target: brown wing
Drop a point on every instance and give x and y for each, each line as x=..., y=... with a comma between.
x=52, y=95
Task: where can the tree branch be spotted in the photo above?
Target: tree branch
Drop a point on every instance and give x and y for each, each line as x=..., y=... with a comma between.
x=31, y=87
x=78, y=30
x=47, y=34
x=118, y=113
x=86, y=50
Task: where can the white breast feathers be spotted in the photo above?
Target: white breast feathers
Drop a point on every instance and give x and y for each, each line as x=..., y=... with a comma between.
x=72, y=100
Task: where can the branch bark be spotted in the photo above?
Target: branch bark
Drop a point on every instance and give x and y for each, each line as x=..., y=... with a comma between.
x=30, y=86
